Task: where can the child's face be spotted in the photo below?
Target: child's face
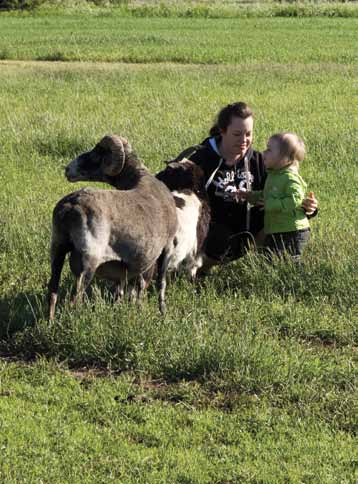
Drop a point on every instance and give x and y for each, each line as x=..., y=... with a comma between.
x=273, y=157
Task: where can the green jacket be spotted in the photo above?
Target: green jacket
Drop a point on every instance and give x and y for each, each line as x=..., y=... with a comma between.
x=283, y=194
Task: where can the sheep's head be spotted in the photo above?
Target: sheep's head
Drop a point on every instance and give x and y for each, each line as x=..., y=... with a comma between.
x=105, y=161
x=182, y=175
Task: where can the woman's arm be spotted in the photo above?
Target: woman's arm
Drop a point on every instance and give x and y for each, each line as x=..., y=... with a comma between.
x=253, y=197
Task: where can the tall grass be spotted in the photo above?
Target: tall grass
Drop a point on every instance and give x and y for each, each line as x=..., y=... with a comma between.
x=75, y=106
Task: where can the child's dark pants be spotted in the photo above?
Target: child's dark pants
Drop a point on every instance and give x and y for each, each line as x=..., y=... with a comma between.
x=292, y=243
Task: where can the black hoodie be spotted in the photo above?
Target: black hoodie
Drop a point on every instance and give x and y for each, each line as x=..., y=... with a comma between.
x=224, y=208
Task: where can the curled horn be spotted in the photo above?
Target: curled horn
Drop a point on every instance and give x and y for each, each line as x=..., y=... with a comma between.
x=116, y=149
x=126, y=145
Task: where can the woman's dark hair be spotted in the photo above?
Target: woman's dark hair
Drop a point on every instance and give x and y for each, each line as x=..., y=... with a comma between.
x=239, y=109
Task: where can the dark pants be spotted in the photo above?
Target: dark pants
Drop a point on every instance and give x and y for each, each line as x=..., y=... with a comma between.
x=292, y=243
x=224, y=244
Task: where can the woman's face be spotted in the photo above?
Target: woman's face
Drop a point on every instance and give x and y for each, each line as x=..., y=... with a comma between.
x=237, y=137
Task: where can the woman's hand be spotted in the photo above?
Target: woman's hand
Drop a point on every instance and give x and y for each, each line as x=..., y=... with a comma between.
x=310, y=204
x=241, y=195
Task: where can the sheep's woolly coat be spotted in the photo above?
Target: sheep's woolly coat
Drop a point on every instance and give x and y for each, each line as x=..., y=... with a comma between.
x=186, y=181
x=115, y=233
x=107, y=226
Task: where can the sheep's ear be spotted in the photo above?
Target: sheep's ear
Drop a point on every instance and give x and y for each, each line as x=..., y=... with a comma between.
x=185, y=160
x=114, y=160
x=178, y=162
x=188, y=152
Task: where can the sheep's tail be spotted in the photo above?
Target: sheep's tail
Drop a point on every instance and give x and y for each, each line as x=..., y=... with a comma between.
x=59, y=249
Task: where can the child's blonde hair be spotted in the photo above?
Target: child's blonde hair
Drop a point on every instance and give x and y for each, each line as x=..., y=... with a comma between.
x=290, y=145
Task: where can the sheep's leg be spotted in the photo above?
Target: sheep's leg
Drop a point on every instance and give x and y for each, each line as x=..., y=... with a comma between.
x=119, y=292
x=132, y=290
x=58, y=254
x=78, y=288
x=122, y=285
x=207, y=264
x=148, y=275
x=193, y=272
x=163, y=263
x=136, y=290
x=138, y=286
x=141, y=288
x=84, y=279
x=195, y=265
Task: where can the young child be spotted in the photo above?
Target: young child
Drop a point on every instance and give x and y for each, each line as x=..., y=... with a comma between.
x=286, y=226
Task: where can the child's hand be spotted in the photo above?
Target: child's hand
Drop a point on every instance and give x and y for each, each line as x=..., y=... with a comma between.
x=310, y=204
x=260, y=204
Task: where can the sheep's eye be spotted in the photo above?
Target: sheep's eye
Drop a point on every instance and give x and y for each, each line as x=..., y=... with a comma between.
x=100, y=151
x=89, y=162
x=96, y=160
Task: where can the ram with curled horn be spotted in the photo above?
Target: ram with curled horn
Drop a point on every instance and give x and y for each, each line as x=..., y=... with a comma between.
x=116, y=234
x=111, y=161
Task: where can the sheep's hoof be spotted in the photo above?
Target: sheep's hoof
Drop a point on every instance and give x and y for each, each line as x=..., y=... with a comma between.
x=52, y=303
x=118, y=295
x=162, y=307
x=73, y=301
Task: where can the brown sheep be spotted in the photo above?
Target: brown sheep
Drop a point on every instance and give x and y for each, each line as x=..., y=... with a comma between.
x=115, y=234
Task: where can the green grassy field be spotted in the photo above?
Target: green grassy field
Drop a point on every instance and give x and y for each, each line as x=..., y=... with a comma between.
x=251, y=378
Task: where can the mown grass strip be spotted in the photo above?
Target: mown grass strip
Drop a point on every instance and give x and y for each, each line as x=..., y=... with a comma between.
x=85, y=37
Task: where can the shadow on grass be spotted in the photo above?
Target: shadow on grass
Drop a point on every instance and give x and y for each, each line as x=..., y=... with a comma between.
x=26, y=331
x=18, y=314
x=53, y=57
x=4, y=54
x=22, y=310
